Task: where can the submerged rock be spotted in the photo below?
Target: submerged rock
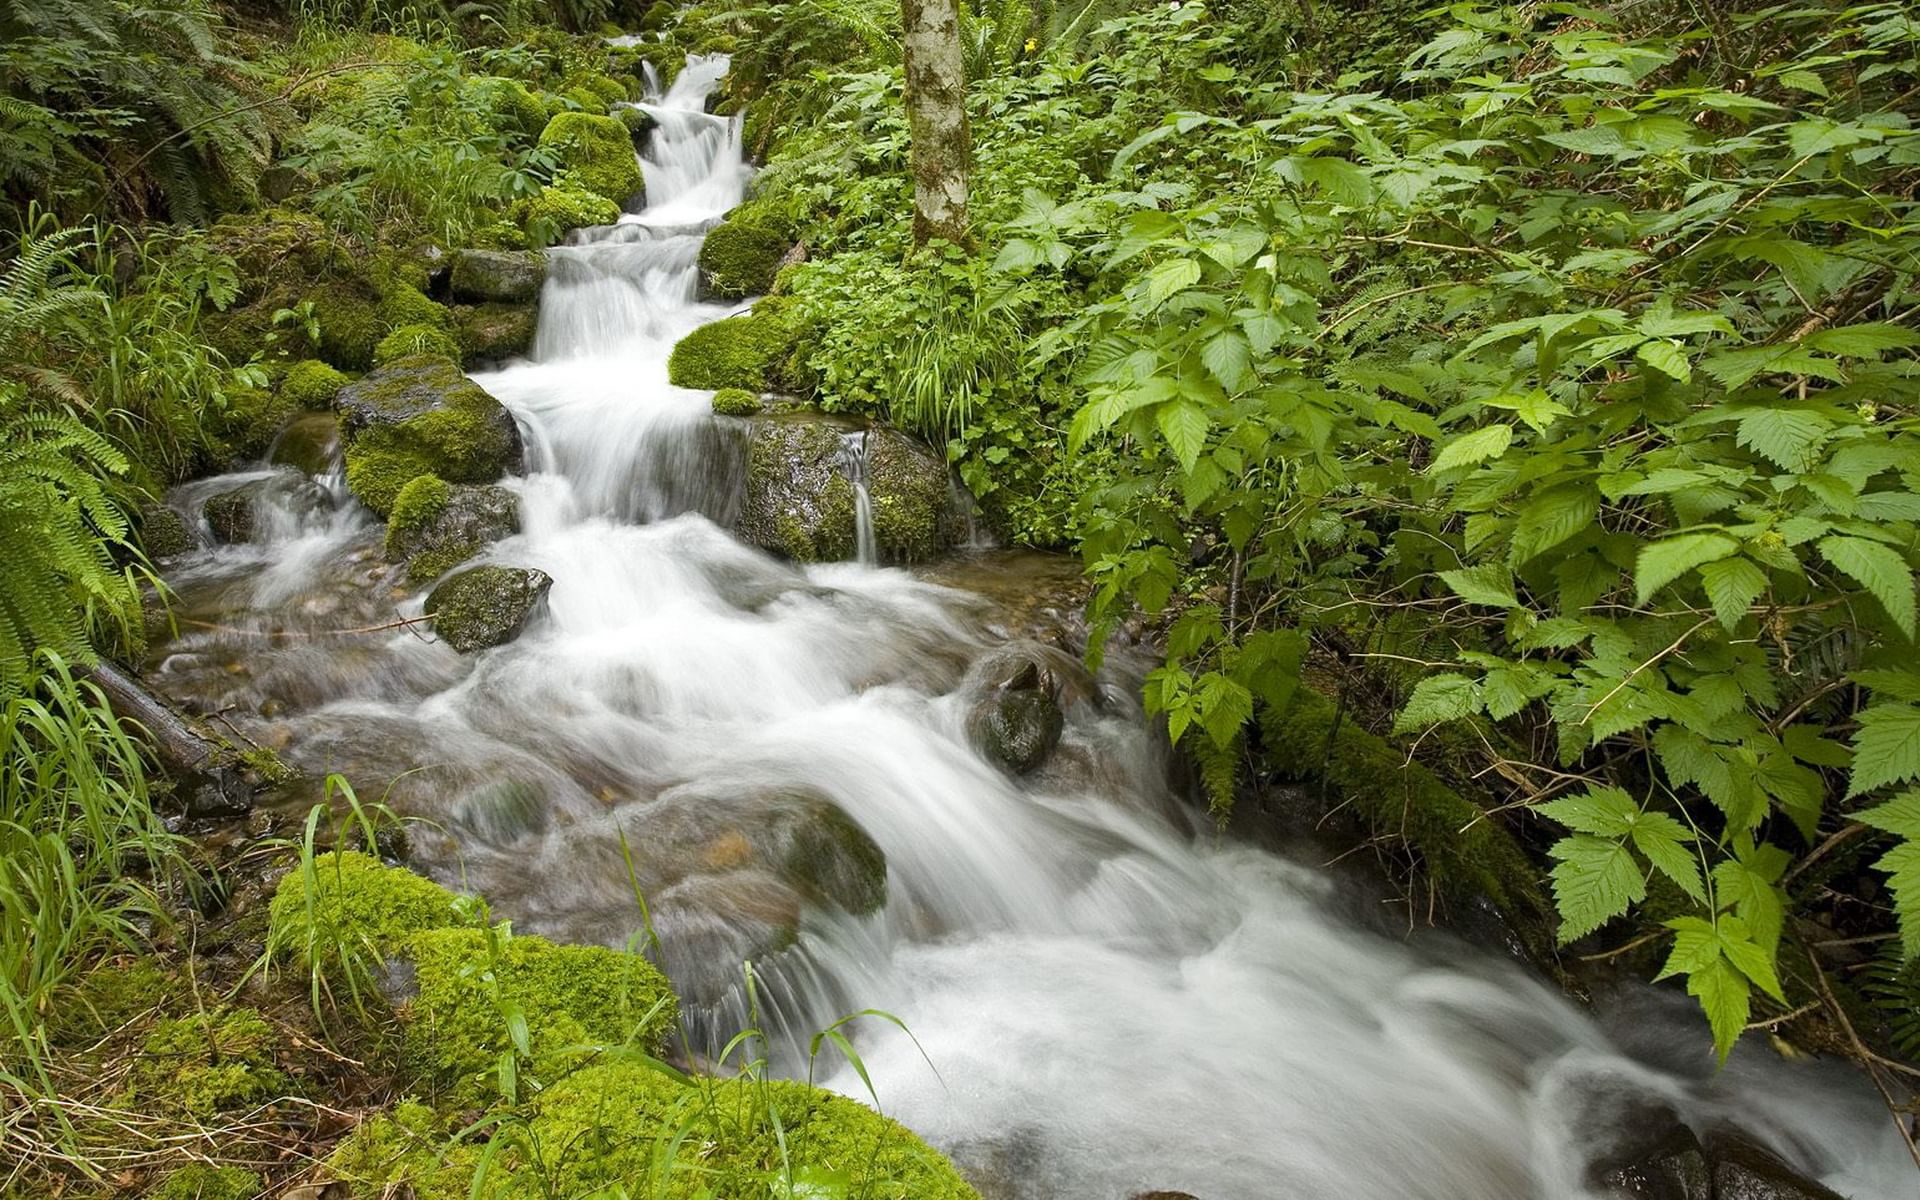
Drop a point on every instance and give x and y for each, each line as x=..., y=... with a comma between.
x=164, y=532
x=308, y=443
x=800, y=501
x=233, y=516
x=831, y=859
x=436, y=526
x=1018, y=729
x=421, y=416
x=486, y=606
x=498, y=276
x=1743, y=1170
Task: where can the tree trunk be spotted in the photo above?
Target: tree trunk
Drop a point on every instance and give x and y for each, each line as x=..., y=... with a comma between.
x=937, y=119
x=213, y=783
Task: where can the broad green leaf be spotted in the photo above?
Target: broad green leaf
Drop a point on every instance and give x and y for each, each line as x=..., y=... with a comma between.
x=1787, y=437
x=1438, y=698
x=1668, y=358
x=1732, y=584
x=1470, y=448
x=1726, y=998
x=1602, y=811
x=1900, y=815
x=1886, y=748
x=1169, y=279
x=1227, y=358
x=1490, y=584
x=1663, y=840
x=1595, y=881
x=1184, y=424
x=1549, y=519
x=1902, y=865
x=1664, y=561
x=1878, y=568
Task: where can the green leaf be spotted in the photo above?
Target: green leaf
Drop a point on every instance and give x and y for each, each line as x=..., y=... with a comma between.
x=1732, y=584
x=1902, y=865
x=1227, y=358
x=1184, y=424
x=1886, y=748
x=1664, y=561
x=1900, y=815
x=1470, y=448
x=1438, y=698
x=1668, y=358
x=1169, y=279
x=1596, y=880
x=1881, y=570
x=1663, y=839
x=1726, y=998
x=1786, y=437
x=1603, y=811
x=1490, y=584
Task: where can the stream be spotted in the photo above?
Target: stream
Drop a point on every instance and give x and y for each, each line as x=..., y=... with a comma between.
x=1112, y=1000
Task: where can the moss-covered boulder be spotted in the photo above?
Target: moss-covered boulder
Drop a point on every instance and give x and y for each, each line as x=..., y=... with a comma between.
x=598, y=151
x=311, y=385
x=513, y=109
x=758, y=350
x=436, y=525
x=740, y=257
x=247, y=419
x=735, y=402
x=346, y=900
x=486, y=606
x=800, y=500
x=499, y=276
x=409, y=340
x=624, y=1127
x=492, y=333
x=561, y=207
x=639, y=122
x=422, y=416
x=164, y=533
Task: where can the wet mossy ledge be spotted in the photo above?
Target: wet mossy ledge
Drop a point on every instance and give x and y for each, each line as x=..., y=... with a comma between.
x=420, y=415
x=601, y=1111
x=741, y=255
x=1468, y=853
x=758, y=351
x=598, y=152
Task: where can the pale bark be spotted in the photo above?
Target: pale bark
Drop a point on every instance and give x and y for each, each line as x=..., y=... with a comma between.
x=937, y=119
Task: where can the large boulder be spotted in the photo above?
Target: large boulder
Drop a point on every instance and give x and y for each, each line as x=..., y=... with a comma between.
x=1019, y=715
x=491, y=333
x=486, y=606
x=598, y=151
x=421, y=416
x=740, y=257
x=801, y=503
x=498, y=276
x=760, y=351
x=437, y=525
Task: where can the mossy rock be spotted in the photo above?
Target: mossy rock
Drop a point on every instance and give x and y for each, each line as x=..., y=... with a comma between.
x=421, y=416
x=350, y=328
x=623, y=1125
x=436, y=526
x=498, y=276
x=249, y=420
x=512, y=108
x=208, y=1062
x=735, y=402
x=639, y=122
x=570, y=996
x=348, y=899
x=757, y=350
x=1468, y=852
x=486, y=606
x=204, y=1181
x=490, y=333
x=310, y=386
x=598, y=151
x=405, y=303
x=739, y=259
x=410, y=340
x=165, y=533
x=560, y=208
x=800, y=503
x=110, y=998
x=832, y=860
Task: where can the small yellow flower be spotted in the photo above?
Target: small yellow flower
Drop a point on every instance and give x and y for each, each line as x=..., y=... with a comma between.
x=1032, y=45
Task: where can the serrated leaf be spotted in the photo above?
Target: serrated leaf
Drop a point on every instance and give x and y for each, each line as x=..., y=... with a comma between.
x=1550, y=518
x=1595, y=881
x=1169, y=279
x=1902, y=865
x=1881, y=570
x=1900, y=815
x=1732, y=584
x=1726, y=998
x=1603, y=811
x=1668, y=358
x=1470, y=448
x=1664, y=561
x=1490, y=584
x=1227, y=358
x=1663, y=839
x=1696, y=946
x=1184, y=424
x=1753, y=895
x=1886, y=748
x=1786, y=437
x=1438, y=698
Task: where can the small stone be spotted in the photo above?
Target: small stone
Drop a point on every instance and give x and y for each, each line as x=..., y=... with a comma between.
x=1018, y=729
x=486, y=606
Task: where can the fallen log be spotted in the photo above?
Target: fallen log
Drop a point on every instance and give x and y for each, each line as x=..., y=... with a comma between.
x=211, y=771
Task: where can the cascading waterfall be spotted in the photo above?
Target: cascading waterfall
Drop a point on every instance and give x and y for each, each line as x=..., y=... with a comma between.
x=853, y=457
x=1113, y=1003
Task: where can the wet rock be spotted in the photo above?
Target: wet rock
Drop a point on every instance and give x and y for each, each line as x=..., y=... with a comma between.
x=308, y=444
x=422, y=416
x=498, y=276
x=486, y=606
x=164, y=532
x=800, y=500
x=217, y=794
x=495, y=332
x=831, y=859
x=739, y=259
x=501, y=813
x=233, y=516
x=1674, y=1168
x=436, y=526
x=1017, y=730
x=1743, y=1170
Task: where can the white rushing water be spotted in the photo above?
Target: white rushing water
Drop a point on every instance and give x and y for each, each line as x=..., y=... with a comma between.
x=1113, y=1002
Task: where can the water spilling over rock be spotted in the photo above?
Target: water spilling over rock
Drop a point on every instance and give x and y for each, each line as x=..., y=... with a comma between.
x=848, y=775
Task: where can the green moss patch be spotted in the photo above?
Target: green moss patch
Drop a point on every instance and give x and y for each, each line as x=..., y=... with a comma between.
x=311, y=385
x=735, y=402
x=598, y=151
x=203, y=1181
x=757, y=351
x=564, y=205
x=349, y=899
x=208, y=1062
x=493, y=332
x=420, y=415
x=570, y=996
x=415, y=339
x=740, y=257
